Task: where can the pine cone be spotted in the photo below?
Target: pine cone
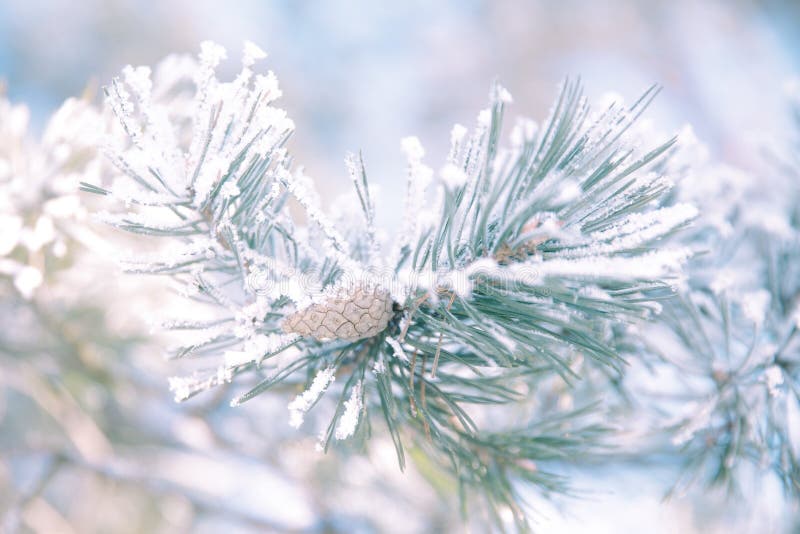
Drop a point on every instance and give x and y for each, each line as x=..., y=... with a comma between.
x=349, y=315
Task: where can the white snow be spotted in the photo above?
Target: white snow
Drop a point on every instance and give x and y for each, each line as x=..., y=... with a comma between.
x=303, y=402
x=452, y=176
x=348, y=422
x=755, y=305
x=398, y=349
x=773, y=376
x=27, y=280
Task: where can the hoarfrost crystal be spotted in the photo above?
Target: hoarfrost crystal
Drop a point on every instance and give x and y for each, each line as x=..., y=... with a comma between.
x=304, y=401
x=352, y=410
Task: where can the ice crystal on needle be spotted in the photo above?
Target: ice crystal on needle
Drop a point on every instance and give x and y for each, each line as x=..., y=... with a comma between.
x=352, y=409
x=305, y=400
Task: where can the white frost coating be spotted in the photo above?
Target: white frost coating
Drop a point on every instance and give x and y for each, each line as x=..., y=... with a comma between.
x=634, y=230
x=302, y=188
x=10, y=236
x=252, y=53
x=569, y=191
x=524, y=130
x=699, y=418
x=724, y=280
x=658, y=264
x=594, y=292
x=158, y=128
x=398, y=349
x=379, y=366
x=419, y=178
x=63, y=207
x=267, y=85
x=40, y=235
x=184, y=387
x=408, y=280
x=504, y=340
x=651, y=266
x=257, y=347
x=159, y=219
x=138, y=78
x=773, y=377
x=663, y=219
x=459, y=282
x=197, y=246
x=186, y=131
x=457, y=134
x=304, y=401
x=755, y=305
x=501, y=94
x=412, y=148
x=352, y=411
x=452, y=176
x=485, y=118
x=27, y=280
x=211, y=54
x=771, y=221
x=229, y=190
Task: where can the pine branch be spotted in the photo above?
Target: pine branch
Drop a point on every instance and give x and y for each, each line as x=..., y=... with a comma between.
x=520, y=266
x=732, y=332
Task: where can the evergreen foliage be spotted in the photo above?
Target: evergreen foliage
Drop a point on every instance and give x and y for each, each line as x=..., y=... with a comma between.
x=516, y=268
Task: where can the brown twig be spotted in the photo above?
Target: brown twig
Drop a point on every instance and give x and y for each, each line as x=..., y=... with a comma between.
x=439, y=343
x=411, y=382
x=414, y=309
x=423, y=399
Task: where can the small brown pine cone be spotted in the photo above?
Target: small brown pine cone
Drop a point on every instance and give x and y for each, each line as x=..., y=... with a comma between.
x=349, y=315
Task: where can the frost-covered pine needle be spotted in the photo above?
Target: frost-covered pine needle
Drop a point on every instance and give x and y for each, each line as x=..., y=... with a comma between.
x=352, y=411
x=305, y=400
